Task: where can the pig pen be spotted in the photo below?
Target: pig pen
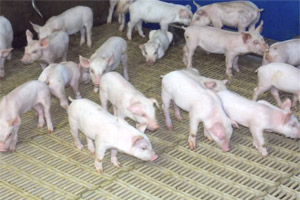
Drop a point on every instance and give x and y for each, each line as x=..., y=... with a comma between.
x=49, y=166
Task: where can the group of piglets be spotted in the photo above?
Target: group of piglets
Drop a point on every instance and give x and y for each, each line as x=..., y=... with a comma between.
x=210, y=102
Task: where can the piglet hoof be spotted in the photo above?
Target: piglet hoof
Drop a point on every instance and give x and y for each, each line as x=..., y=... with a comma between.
x=92, y=151
x=192, y=145
x=79, y=146
x=179, y=118
x=264, y=155
x=66, y=107
x=50, y=131
x=170, y=128
x=117, y=164
x=40, y=125
x=96, y=90
x=99, y=170
x=12, y=149
x=121, y=29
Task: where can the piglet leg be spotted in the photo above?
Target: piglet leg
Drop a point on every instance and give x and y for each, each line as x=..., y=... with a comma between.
x=114, y=159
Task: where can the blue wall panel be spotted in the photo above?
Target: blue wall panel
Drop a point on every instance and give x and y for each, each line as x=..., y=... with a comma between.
x=281, y=18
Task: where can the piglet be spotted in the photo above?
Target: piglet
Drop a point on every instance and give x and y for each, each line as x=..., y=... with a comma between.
x=105, y=59
x=213, y=84
x=285, y=52
x=260, y=116
x=154, y=11
x=59, y=76
x=47, y=50
x=122, y=9
x=278, y=76
x=6, y=38
x=232, y=44
x=127, y=101
x=157, y=45
x=79, y=18
x=202, y=104
x=235, y=14
x=32, y=94
x=108, y=132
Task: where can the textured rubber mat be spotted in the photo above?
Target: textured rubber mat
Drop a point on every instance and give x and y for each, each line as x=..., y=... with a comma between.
x=48, y=166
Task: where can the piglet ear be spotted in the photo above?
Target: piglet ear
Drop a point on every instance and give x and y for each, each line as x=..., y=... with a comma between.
x=246, y=37
x=136, y=108
x=142, y=127
x=14, y=122
x=183, y=14
x=218, y=130
x=29, y=36
x=260, y=27
x=5, y=52
x=155, y=102
x=35, y=27
x=136, y=138
x=142, y=47
x=110, y=60
x=234, y=123
x=210, y=85
x=44, y=43
x=286, y=117
x=201, y=13
x=286, y=105
x=84, y=62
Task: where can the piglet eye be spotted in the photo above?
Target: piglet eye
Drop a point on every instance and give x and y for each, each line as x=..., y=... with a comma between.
x=144, y=148
x=34, y=51
x=255, y=42
x=92, y=71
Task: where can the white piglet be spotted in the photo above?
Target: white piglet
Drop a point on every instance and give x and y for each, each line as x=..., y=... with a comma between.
x=154, y=11
x=209, y=83
x=236, y=14
x=108, y=132
x=32, y=94
x=260, y=116
x=202, y=104
x=157, y=45
x=285, y=52
x=278, y=76
x=79, y=18
x=47, y=50
x=6, y=38
x=215, y=40
x=127, y=101
x=105, y=59
x=59, y=76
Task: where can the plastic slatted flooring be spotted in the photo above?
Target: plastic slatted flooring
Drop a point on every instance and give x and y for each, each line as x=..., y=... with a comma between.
x=48, y=166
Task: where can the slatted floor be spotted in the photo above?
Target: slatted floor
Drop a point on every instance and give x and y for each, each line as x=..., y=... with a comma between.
x=48, y=166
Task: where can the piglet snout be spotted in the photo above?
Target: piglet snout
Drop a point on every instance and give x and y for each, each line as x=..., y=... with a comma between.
x=154, y=157
x=150, y=62
x=153, y=128
x=2, y=147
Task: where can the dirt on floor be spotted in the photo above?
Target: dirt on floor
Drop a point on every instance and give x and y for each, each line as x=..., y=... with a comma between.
x=49, y=166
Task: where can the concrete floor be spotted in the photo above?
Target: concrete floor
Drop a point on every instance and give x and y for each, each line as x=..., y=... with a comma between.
x=48, y=166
